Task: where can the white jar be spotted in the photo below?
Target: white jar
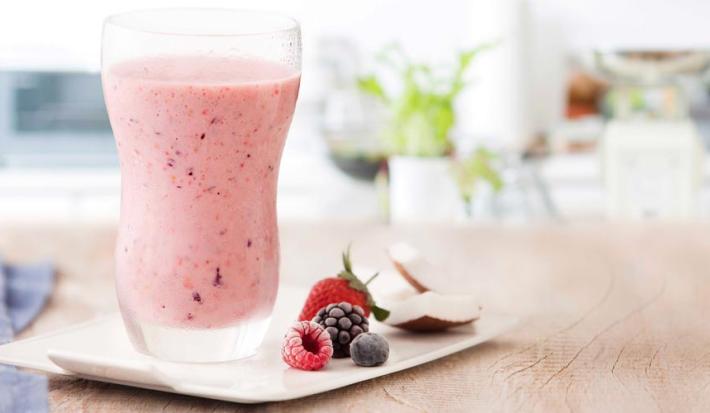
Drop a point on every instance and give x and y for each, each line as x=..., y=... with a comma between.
x=423, y=190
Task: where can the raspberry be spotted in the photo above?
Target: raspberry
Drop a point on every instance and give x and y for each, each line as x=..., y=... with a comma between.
x=306, y=346
x=343, y=321
x=369, y=349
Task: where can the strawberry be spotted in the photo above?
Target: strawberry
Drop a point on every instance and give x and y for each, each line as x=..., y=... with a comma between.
x=346, y=286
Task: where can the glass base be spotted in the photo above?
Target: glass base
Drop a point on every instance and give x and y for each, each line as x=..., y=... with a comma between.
x=198, y=345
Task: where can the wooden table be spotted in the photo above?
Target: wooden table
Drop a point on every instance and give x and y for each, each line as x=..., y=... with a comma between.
x=614, y=317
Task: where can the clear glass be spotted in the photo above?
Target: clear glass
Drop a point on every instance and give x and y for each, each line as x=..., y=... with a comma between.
x=200, y=102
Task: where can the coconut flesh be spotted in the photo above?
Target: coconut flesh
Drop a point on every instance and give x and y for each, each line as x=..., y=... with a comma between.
x=417, y=307
x=430, y=311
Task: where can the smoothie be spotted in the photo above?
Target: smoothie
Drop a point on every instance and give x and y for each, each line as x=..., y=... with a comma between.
x=199, y=141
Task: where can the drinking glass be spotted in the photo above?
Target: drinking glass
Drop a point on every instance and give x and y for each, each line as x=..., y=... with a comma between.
x=200, y=102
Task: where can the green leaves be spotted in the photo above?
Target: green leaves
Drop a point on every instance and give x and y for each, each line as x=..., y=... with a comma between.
x=355, y=283
x=380, y=313
x=422, y=113
x=347, y=264
x=465, y=59
x=477, y=168
x=370, y=84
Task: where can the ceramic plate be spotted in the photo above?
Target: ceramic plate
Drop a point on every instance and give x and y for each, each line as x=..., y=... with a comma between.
x=100, y=350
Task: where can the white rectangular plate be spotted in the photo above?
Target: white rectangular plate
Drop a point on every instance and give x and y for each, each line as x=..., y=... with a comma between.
x=100, y=350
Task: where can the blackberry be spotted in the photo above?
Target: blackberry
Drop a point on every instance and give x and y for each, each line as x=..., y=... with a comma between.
x=343, y=321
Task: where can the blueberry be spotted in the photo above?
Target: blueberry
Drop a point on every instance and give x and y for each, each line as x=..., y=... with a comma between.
x=369, y=349
x=217, y=279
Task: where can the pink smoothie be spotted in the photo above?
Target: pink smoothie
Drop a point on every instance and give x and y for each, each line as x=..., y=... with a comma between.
x=199, y=140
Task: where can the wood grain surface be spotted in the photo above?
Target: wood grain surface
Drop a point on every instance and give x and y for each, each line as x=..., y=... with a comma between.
x=614, y=317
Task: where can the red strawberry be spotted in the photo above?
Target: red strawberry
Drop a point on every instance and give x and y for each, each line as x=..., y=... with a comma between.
x=345, y=287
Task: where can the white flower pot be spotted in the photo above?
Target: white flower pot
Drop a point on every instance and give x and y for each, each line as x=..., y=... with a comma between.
x=423, y=190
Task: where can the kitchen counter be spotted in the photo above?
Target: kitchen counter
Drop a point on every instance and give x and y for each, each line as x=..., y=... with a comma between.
x=614, y=317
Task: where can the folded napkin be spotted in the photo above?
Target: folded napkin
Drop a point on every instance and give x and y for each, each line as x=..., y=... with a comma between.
x=23, y=292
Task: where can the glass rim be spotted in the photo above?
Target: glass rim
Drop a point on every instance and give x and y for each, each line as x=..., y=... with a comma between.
x=128, y=21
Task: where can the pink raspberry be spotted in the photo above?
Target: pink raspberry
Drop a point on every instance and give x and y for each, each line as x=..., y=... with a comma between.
x=307, y=346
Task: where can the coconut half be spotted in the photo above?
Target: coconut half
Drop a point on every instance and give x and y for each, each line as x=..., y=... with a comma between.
x=424, y=274
x=430, y=311
x=408, y=261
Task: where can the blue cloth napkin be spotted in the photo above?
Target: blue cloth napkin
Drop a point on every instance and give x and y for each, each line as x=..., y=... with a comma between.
x=23, y=292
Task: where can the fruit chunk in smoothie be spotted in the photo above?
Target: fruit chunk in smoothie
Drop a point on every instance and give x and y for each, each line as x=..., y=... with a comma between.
x=199, y=141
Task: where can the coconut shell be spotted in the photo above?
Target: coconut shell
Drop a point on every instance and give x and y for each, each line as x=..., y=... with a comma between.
x=408, y=277
x=431, y=324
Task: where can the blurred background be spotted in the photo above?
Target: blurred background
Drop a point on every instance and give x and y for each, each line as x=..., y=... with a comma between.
x=450, y=111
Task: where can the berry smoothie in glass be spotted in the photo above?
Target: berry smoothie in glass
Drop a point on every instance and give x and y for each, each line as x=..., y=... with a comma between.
x=200, y=102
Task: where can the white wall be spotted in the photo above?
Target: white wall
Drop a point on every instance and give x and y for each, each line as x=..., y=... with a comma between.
x=66, y=33
x=628, y=23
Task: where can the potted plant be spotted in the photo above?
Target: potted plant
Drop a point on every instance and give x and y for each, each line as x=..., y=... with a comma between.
x=424, y=182
x=473, y=171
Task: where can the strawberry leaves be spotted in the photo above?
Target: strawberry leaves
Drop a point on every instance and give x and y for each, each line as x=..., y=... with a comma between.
x=356, y=284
